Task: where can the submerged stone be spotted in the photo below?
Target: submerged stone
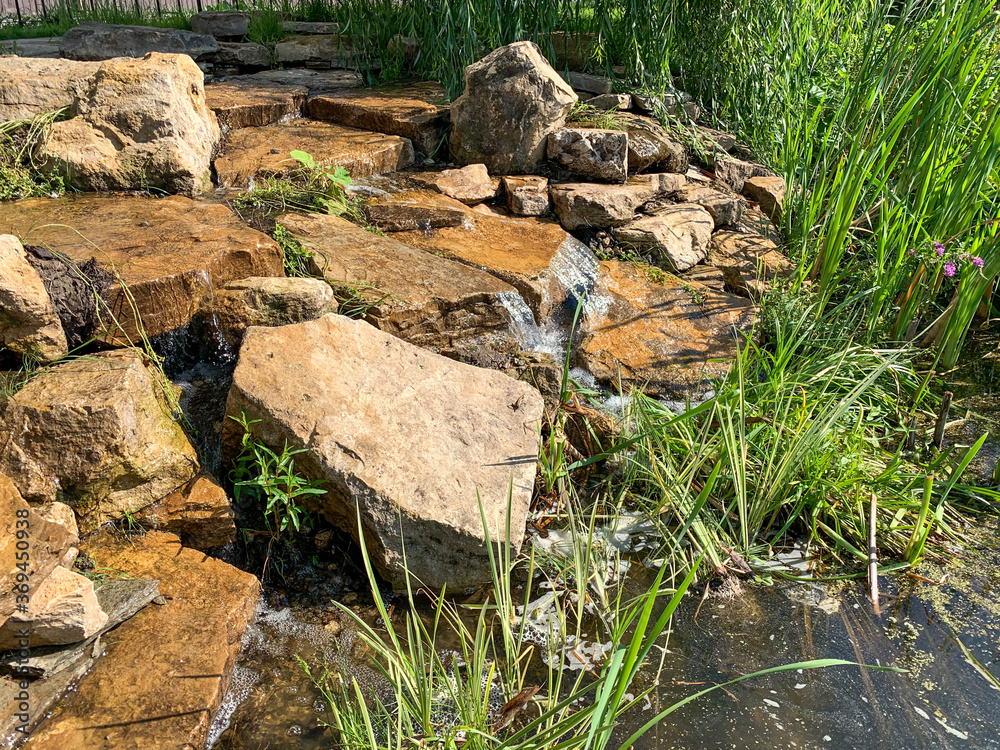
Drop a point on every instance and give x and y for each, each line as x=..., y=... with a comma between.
x=425, y=299
x=668, y=337
x=252, y=153
x=169, y=253
x=412, y=441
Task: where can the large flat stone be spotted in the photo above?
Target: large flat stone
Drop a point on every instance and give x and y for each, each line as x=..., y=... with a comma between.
x=97, y=434
x=537, y=257
x=425, y=299
x=416, y=111
x=102, y=41
x=242, y=103
x=319, y=50
x=170, y=252
x=30, y=86
x=667, y=337
x=588, y=204
x=252, y=153
x=317, y=81
x=166, y=669
x=412, y=440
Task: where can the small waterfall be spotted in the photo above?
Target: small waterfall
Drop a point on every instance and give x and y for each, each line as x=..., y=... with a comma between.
x=522, y=321
x=575, y=268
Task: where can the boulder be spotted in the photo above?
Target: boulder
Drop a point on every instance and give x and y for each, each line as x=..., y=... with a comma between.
x=102, y=41
x=650, y=146
x=167, y=669
x=199, y=513
x=469, y=185
x=597, y=154
x=97, y=434
x=611, y=102
x=63, y=609
x=512, y=100
x=222, y=24
x=584, y=204
x=412, y=441
x=242, y=55
x=252, y=153
x=425, y=299
x=416, y=111
x=49, y=543
x=726, y=208
x=677, y=236
x=30, y=86
x=169, y=253
x=666, y=336
x=527, y=196
x=547, y=266
x=244, y=103
x=29, y=325
x=735, y=172
x=142, y=124
x=269, y=301
x=769, y=193
x=749, y=262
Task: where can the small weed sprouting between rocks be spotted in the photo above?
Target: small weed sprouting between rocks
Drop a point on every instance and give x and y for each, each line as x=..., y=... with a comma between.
x=262, y=475
x=297, y=260
x=20, y=177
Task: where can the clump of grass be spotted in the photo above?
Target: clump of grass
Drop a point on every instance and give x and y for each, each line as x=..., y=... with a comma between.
x=20, y=177
x=266, y=27
x=297, y=260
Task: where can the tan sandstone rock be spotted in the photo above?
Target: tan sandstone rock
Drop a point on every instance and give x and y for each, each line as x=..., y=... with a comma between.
x=586, y=204
x=167, y=669
x=199, y=513
x=63, y=609
x=750, y=262
x=253, y=153
x=141, y=123
x=171, y=253
x=591, y=152
x=668, y=337
x=527, y=195
x=29, y=325
x=416, y=111
x=422, y=298
x=512, y=100
x=411, y=440
x=244, y=103
x=95, y=433
x=769, y=193
x=30, y=86
x=470, y=185
x=677, y=235
x=269, y=301
x=726, y=208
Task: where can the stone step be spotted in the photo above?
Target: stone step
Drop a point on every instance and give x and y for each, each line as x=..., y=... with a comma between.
x=170, y=252
x=656, y=332
x=243, y=103
x=416, y=111
x=316, y=81
x=165, y=670
x=252, y=153
x=425, y=299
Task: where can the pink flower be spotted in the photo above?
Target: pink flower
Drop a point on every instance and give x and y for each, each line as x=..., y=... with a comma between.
x=938, y=249
x=977, y=262
x=949, y=269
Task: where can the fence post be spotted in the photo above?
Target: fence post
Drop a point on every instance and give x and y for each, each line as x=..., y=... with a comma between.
x=17, y=7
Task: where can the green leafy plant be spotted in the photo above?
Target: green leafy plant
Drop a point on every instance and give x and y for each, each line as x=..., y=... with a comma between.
x=328, y=184
x=270, y=478
x=297, y=260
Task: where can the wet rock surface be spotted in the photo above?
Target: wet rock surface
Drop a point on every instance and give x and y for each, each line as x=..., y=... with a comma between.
x=199, y=513
x=96, y=433
x=167, y=695
x=410, y=436
x=253, y=153
x=243, y=103
x=668, y=337
x=170, y=253
x=422, y=298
